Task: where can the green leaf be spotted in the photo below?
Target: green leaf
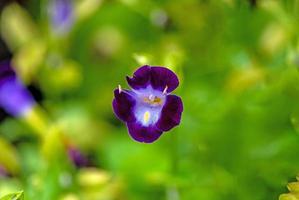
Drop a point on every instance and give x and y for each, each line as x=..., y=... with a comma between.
x=14, y=196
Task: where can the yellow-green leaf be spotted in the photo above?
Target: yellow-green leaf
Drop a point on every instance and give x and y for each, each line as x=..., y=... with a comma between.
x=14, y=196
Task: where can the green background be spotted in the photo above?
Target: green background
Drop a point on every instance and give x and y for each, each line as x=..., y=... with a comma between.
x=238, y=67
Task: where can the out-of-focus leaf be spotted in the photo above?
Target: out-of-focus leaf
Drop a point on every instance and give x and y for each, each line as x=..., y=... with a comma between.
x=70, y=197
x=60, y=72
x=75, y=119
x=29, y=58
x=52, y=147
x=17, y=26
x=274, y=38
x=85, y=8
x=8, y=157
x=243, y=79
x=92, y=177
x=142, y=59
x=293, y=194
x=37, y=120
x=108, y=41
x=14, y=196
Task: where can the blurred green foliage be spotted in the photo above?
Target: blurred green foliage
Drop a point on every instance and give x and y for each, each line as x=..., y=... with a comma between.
x=238, y=66
x=14, y=196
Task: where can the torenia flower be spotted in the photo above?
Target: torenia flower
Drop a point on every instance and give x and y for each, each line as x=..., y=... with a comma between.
x=61, y=13
x=149, y=109
x=15, y=99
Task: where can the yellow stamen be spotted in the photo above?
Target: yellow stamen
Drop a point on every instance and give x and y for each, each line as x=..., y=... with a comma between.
x=153, y=100
x=146, y=116
x=157, y=100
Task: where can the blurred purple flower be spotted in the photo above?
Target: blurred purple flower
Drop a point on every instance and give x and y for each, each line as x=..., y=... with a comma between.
x=61, y=14
x=3, y=172
x=149, y=109
x=78, y=159
x=15, y=99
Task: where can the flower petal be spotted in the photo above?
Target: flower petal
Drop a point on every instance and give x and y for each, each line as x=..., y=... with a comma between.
x=123, y=105
x=162, y=77
x=61, y=15
x=6, y=70
x=158, y=77
x=141, y=78
x=171, y=113
x=14, y=97
x=142, y=133
x=78, y=159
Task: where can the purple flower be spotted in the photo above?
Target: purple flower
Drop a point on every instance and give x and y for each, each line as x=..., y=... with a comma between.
x=149, y=109
x=14, y=97
x=61, y=15
x=78, y=159
x=3, y=172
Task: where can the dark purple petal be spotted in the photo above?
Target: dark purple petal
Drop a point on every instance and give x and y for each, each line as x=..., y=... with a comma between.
x=162, y=77
x=158, y=77
x=61, y=15
x=5, y=66
x=77, y=157
x=143, y=134
x=6, y=70
x=123, y=105
x=171, y=113
x=141, y=78
x=14, y=97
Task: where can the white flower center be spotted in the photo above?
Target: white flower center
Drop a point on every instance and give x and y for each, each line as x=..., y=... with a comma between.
x=149, y=104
